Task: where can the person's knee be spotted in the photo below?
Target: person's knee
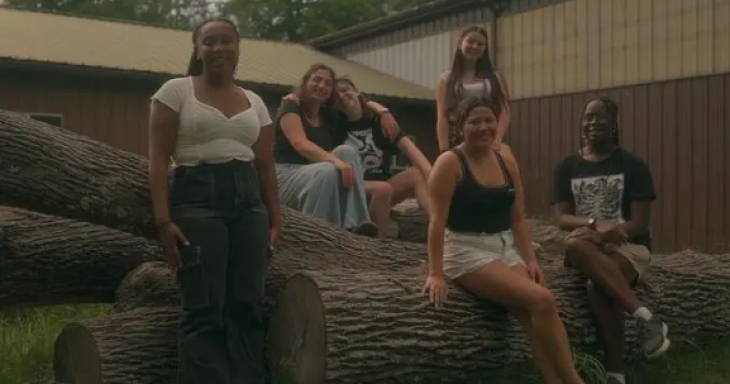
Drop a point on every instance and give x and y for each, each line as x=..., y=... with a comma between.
x=346, y=153
x=576, y=250
x=541, y=302
x=327, y=173
x=382, y=191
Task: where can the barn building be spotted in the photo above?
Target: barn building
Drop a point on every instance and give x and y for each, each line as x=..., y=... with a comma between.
x=666, y=62
x=95, y=77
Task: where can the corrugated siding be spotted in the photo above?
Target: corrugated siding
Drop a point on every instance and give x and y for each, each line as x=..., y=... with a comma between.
x=681, y=128
x=418, y=53
x=581, y=45
x=419, y=61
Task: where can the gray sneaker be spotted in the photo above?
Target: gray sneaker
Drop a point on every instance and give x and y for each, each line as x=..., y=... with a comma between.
x=654, y=334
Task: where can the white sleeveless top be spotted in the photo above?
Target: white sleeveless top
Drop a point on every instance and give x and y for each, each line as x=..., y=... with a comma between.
x=205, y=134
x=477, y=88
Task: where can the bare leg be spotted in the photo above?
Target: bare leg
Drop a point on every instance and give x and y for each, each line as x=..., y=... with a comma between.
x=610, y=318
x=381, y=195
x=410, y=183
x=603, y=272
x=499, y=283
x=608, y=278
x=546, y=367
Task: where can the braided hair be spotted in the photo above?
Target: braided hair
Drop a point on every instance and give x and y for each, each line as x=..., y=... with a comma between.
x=195, y=67
x=612, y=111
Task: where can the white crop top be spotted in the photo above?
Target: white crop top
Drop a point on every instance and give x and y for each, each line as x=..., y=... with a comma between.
x=205, y=134
x=475, y=88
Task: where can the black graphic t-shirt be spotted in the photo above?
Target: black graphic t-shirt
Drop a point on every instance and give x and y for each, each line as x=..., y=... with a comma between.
x=323, y=135
x=604, y=190
x=376, y=151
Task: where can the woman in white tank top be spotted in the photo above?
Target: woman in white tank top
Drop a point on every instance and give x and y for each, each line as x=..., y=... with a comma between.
x=472, y=74
x=219, y=218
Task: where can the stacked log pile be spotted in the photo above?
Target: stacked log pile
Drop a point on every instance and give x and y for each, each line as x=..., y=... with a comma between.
x=76, y=226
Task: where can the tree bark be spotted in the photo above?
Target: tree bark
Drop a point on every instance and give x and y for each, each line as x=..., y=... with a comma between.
x=412, y=225
x=59, y=172
x=48, y=260
x=151, y=284
x=343, y=326
x=136, y=346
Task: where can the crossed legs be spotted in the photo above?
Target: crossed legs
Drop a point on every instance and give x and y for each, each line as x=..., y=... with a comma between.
x=611, y=277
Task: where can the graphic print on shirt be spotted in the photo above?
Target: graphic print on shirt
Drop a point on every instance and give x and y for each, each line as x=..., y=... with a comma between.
x=370, y=155
x=599, y=196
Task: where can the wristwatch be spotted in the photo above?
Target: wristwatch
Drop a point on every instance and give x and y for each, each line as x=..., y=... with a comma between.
x=592, y=223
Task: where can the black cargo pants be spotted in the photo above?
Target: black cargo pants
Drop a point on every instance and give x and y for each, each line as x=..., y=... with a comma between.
x=219, y=209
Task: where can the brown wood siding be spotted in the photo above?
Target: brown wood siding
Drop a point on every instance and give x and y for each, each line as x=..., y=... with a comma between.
x=115, y=112
x=421, y=123
x=679, y=127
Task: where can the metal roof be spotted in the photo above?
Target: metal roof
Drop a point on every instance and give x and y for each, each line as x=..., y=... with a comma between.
x=71, y=40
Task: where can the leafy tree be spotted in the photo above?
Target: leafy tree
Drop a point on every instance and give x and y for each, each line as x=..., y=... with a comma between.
x=301, y=20
x=171, y=13
x=293, y=20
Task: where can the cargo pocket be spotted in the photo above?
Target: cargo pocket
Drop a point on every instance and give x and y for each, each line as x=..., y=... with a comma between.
x=191, y=277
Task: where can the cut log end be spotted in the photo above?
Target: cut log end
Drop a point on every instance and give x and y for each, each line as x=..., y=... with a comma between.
x=77, y=359
x=297, y=344
x=150, y=284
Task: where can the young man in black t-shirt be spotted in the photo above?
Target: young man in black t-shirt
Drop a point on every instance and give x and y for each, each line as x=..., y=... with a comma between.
x=603, y=196
x=376, y=151
x=361, y=129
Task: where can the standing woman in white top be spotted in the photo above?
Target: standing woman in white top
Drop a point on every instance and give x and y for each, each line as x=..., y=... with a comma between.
x=472, y=74
x=221, y=215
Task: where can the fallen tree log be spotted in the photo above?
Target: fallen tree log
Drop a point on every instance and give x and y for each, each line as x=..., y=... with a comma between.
x=48, y=260
x=64, y=174
x=340, y=326
x=151, y=284
x=136, y=346
x=344, y=325
x=61, y=173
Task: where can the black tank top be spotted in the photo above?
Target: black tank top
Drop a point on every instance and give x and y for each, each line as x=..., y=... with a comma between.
x=478, y=208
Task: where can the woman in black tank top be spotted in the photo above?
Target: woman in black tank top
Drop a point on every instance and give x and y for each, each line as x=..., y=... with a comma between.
x=479, y=237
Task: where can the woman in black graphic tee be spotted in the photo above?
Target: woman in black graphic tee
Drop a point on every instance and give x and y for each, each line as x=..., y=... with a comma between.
x=603, y=195
x=360, y=128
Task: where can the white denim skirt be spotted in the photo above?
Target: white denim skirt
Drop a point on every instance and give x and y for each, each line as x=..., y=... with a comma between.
x=466, y=252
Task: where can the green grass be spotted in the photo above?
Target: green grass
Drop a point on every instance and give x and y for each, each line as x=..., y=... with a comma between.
x=27, y=338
